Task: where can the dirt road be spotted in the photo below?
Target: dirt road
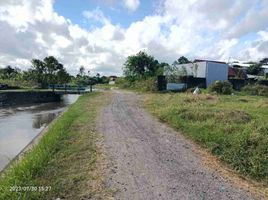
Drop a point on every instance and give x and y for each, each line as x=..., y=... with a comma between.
x=148, y=160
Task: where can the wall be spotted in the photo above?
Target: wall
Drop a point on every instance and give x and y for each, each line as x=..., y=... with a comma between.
x=176, y=86
x=18, y=98
x=192, y=69
x=216, y=72
x=201, y=69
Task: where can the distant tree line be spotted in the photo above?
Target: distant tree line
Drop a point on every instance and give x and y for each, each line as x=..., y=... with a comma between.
x=45, y=72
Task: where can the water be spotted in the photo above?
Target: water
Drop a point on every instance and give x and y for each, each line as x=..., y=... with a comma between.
x=19, y=125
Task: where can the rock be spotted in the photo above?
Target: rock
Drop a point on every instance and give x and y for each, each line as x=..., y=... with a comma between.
x=197, y=91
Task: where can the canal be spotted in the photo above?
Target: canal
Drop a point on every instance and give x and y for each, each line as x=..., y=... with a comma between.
x=20, y=124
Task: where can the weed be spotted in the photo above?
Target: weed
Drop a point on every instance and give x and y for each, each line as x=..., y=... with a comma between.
x=232, y=127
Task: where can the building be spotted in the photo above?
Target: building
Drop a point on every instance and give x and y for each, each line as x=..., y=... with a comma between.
x=209, y=70
x=245, y=66
x=112, y=80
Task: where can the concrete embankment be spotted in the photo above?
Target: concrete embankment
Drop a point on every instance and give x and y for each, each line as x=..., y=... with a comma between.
x=11, y=98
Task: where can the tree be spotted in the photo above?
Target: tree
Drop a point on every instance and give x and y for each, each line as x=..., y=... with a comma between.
x=161, y=67
x=52, y=67
x=254, y=69
x=98, y=79
x=182, y=60
x=104, y=79
x=264, y=61
x=38, y=71
x=48, y=71
x=63, y=77
x=82, y=71
x=9, y=72
x=140, y=65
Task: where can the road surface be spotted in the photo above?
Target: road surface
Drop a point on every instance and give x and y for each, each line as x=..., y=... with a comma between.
x=148, y=160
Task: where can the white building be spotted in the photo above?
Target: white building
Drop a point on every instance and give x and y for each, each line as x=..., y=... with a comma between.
x=210, y=70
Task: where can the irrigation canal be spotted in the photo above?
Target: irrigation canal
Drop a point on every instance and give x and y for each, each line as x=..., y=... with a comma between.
x=20, y=124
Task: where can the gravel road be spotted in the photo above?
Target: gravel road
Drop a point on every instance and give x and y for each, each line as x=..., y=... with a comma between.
x=148, y=160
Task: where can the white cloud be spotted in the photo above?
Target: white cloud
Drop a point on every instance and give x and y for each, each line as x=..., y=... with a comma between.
x=131, y=5
x=195, y=28
x=96, y=15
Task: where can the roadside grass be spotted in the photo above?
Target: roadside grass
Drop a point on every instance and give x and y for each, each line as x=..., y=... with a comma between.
x=234, y=127
x=65, y=161
x=105, y=86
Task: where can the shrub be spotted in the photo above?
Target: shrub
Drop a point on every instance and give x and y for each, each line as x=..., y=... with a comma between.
x=144, y=85
x=221, y=87
x=259, y=90
x=148, y=85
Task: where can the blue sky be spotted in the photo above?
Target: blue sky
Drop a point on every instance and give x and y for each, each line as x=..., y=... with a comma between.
x=101, y=34
x=73, y=10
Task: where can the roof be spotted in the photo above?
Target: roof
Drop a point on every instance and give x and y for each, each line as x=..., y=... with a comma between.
x=247, y=65
x=240, y=65
x=200, y=60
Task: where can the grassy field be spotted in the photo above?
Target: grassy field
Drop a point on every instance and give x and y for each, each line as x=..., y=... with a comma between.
x=66, y=163
x=234, y=128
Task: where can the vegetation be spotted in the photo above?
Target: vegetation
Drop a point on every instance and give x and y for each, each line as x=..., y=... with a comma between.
x=141, y=65
x=140, y=72
x=231, y=127
x=259, y=90
x=105, y=86
x=181, y=60
x=264, y=61
x=45, y=72
x=254, y=69
x=48, y=71
x=221, y=87
x=142, y=85
x=67, y=154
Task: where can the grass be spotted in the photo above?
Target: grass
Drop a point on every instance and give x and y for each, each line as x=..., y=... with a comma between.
x=232, y=127
x=65, y=160
x=17, y=83
x=105, y=86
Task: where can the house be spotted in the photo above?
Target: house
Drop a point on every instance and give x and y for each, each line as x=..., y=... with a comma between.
x=245, y=66
x=112, y=80
x=209, y=70
x=234, y=72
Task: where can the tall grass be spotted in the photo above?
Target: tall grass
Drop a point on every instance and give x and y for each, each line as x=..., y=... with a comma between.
x=33, y=165
x=231, y=127
x=259, y=90
x=142, y=85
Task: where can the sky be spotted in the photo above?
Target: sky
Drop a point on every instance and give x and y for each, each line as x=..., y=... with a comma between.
x=101, y=34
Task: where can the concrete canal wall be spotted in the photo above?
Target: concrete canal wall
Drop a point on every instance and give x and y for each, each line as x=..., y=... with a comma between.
x=11, y=98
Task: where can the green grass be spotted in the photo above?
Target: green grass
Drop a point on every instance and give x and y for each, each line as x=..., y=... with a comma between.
x=64, y=160
x=234, y=128
x=17, y=83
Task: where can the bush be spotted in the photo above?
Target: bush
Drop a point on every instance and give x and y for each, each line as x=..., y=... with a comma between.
x=122, y=83
x=148, y=85
x=144, y=85
x=259, y=90
x=221, y=87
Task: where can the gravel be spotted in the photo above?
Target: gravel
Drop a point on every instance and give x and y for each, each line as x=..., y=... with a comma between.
x=149, y=160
